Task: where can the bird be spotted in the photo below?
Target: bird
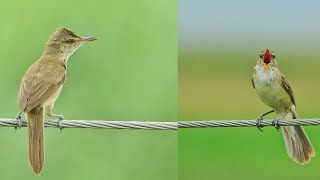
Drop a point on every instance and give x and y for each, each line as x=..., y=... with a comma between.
x=274, y=90
x=41, y=86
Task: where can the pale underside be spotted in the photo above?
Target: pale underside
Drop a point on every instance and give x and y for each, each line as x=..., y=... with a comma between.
x=273, y=89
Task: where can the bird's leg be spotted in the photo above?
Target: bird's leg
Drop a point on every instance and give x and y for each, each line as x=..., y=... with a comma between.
x=275, y=122
x=60, y=117
x=260, y=118
x=18, y=118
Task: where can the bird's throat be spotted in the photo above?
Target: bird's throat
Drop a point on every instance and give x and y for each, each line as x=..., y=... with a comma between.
x=265, y=75
x=66, y=55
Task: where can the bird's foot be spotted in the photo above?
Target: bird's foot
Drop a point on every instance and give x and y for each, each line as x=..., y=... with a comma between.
x=60, y=118
x=60, y=124
x=275, y=123
x=260, y=118
x=258, y=123
x=18, y=118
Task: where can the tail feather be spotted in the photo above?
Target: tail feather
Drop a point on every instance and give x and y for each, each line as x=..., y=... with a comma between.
x=36, y=141
x=298, y=145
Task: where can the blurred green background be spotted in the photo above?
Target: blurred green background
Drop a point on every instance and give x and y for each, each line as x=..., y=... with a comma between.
x=130, y=73
x=219, y=45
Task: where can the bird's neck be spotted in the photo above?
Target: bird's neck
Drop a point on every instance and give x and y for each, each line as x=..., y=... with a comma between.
x=56, y=54
x=267, y=74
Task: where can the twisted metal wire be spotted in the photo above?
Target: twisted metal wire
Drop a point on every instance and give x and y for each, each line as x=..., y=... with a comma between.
x=246, y=123
x=95, y=124
x=158, y=125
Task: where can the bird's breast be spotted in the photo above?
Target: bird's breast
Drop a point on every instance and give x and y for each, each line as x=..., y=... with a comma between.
x=270, y=90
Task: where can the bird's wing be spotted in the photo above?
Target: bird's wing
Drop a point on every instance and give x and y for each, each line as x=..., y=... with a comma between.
x=287, y=87
x=40, y=83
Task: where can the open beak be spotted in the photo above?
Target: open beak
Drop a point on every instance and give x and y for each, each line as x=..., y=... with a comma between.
x=267, y=58
x=87, y=39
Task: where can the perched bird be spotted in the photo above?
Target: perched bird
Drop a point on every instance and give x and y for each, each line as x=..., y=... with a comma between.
x=274, y=90
x=41, y=86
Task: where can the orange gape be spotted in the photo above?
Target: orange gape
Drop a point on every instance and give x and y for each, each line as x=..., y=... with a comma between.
x=267, y=57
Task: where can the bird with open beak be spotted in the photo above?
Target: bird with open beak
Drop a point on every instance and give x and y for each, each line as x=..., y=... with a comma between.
x=274, y=90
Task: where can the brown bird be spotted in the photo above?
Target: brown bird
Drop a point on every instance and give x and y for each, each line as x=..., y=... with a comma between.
x=41, y=86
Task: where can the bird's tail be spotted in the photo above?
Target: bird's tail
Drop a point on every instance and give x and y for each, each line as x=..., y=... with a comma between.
x=298, y=145
x=36, y=143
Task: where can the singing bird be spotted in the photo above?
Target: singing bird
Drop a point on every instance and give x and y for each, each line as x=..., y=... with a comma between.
x=41, y=85
x=274, y=90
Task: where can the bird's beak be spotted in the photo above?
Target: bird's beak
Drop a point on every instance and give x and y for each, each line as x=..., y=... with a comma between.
x=87, y=39
x=267, y=58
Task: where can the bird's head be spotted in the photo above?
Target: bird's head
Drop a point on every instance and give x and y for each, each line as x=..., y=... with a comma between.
x=267, y=59
x=67, y=41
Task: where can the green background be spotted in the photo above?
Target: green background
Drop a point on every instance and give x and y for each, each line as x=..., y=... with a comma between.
x=130, y=73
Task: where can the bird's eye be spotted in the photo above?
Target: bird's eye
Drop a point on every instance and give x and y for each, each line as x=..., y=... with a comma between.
x=261, y=55
x=69, y=41
x=273, y=56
